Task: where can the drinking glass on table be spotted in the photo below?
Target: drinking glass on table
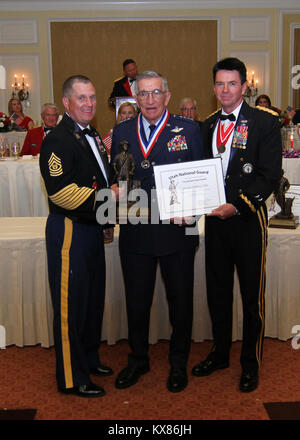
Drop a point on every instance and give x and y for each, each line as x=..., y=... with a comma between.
x=15, y=149
x=3, y=148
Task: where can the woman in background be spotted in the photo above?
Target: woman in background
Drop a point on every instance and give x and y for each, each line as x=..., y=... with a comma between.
x=17, y=117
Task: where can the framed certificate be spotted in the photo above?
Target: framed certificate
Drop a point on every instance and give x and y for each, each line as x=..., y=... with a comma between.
x=189, y=188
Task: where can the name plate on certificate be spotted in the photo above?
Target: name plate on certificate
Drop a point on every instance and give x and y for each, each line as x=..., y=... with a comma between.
x=189, y=188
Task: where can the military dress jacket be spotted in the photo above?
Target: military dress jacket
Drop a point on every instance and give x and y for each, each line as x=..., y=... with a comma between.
x=180, y=140
x=255, y=162
x=71, y=172
x=121, y=88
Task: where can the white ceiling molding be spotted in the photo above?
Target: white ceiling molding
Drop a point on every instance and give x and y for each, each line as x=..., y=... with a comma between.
x=131, y=5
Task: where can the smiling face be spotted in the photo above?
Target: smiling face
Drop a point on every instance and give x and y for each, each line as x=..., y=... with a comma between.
x=81, y=103
x=228, y=89
x=50, y=117
x=152, y=108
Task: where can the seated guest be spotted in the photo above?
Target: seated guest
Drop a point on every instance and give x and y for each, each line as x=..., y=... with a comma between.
x=34, y=137
x=20, y=121
x=188, y=109
x=125, y=111
x=123, y=85
x=265, y=101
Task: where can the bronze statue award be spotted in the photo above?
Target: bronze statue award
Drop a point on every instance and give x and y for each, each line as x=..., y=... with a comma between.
x=124, y=166
x=285, y=218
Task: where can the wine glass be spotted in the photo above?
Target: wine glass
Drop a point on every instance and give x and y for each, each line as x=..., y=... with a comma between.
x=3, y=148
x=15, y=149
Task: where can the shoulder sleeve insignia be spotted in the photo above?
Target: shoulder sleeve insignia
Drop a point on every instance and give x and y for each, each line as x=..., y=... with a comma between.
x=268, y=110
x=55, y=166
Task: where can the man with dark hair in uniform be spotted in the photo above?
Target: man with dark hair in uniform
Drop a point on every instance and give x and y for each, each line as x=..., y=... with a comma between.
x=123, y=86
x=74, y=166
x=249, y=143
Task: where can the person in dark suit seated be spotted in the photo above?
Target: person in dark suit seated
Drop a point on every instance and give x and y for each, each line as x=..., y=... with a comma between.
x=123, y=86
x=34, y=137
x=248, y=140
x=157, y=137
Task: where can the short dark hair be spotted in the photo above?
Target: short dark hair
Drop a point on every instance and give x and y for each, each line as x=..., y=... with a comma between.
x=266, y=97
x=231, y=64
x=68, y=84
x=128, y=61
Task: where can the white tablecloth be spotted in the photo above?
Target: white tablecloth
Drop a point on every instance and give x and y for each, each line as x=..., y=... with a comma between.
x=25, y=305
x=291, y=168
x=22, y=190
x=23, y=194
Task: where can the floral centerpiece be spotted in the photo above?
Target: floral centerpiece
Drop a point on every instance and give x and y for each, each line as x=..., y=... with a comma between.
x=5, y=123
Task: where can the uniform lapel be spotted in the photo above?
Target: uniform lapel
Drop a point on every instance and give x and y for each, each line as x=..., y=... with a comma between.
x=244, y=120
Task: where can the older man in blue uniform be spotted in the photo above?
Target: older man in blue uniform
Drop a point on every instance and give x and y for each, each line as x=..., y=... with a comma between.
x=157, y=137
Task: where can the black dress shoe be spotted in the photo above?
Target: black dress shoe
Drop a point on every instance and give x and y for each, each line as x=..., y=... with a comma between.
x=208, y=366
x=249, y=381
x=102, y=370
x=88, y=390
x=177, y=380
x=129, y=376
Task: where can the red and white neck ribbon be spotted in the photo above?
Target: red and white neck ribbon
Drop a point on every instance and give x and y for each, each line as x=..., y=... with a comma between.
x=146, y=148
x=222, y=134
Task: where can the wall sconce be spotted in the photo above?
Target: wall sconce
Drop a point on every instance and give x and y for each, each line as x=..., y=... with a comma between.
x=20, y=90
x=252, y=86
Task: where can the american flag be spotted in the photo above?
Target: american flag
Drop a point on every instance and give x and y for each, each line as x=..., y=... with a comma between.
x=107, y=142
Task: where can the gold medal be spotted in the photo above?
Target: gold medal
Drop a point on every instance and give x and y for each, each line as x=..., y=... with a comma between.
x=145, y=164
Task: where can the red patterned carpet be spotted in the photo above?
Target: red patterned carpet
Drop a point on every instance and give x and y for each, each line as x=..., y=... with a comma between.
x=27, y=380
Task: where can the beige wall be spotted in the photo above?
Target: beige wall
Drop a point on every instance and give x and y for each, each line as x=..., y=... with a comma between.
x=269, y=49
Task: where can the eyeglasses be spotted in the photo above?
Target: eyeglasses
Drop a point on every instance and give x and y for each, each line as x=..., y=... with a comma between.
x=156, y=94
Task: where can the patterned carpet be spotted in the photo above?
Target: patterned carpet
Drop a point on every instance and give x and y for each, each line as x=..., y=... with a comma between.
x=27, y=380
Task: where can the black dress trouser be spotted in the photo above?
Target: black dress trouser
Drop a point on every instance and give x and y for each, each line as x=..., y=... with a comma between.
x=241, y=243
x=178, y=275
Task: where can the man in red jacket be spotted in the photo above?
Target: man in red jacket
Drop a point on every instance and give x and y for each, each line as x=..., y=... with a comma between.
x=33, y=141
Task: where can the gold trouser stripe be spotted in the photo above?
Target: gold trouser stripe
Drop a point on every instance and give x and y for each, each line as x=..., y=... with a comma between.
x=261, y=296
x=71, y=196
x=65, y=264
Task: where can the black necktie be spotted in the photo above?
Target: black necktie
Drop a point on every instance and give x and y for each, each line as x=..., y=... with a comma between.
x=47, y=129
x=231, y=117
x=152, y=128
x=131, y=80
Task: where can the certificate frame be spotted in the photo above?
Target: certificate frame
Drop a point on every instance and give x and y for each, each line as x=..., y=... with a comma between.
x=189, y=188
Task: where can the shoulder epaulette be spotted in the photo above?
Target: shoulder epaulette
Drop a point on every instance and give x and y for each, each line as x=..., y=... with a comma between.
x=118, y=79
x=265, y=109
x=209, y=116
x=182, y=118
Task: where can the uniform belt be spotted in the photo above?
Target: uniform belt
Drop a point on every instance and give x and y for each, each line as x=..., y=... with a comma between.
x=83, y=221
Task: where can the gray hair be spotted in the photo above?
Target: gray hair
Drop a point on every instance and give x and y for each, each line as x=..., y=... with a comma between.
x=187, y=99
x=50, y=105
x=147, y=74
